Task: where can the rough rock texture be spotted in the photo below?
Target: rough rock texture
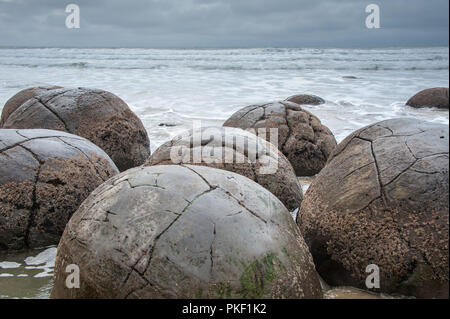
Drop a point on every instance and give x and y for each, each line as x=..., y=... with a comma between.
x=17, y=100
x=238, y=151
x=96, y=115
x=434, y=97
x=383, y=199
x=173, y=231
x=301, y=137
x=306, y=99
x=44, y=177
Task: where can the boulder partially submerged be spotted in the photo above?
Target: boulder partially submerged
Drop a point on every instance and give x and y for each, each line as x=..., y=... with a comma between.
x=306, y=99
x=434, y=97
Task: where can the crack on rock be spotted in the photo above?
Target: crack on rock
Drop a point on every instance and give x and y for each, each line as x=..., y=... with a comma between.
x=377, y=170
x=34, y=208
x=27, y=140
x=387, y=128
x=242, y=204
x=288, y=126
x=141, y=185
x=18, y=133
x=155, y=242
x=231, y=215
x=411, y=165
x=257, y=106
x=357, y=169
x=53, y=111
x=199, y=175
x=409, y=149
x=211, y=248
x=87, y=157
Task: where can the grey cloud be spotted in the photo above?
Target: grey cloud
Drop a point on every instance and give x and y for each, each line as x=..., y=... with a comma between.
x=219, y=23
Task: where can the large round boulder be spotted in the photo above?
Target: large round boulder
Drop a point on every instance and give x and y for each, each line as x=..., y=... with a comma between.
x=173, y=231
x=434, y=97
x=302, y=138
x=306, y=99
x=44, y=177
x=238, y=151
x=383, y=199
x=21, y=97
x=97, y=115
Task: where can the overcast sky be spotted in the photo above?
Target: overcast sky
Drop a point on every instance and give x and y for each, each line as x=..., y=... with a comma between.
x=223, y=23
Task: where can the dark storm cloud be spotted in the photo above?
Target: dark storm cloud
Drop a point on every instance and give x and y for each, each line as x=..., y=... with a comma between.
x=219, y=23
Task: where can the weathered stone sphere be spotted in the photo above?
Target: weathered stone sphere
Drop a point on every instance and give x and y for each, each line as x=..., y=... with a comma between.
x=174, y=231
x=302, y=138
x=306, y=99
x=383, y=199
x=237, y=151
x=97, y=115
x=44, y=176
x=17, y=100
x=434, y=97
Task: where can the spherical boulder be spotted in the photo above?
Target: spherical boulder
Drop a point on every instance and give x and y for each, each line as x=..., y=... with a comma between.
x=44, y=176
x=238, y=151
x=97, y=115
x=17, y=100
x=302, y=138
x=383, y=199
x=434, y=97
x=173, y=231
x=306, y=99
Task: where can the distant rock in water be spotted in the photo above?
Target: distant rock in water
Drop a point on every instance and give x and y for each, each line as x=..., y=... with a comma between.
x=434, y=97
x=184, y=232
x=306, y=99
x=383, y=199
x=96, y=115
x=302, y=138
x=167, y=124
x=44, y=177
x=349, y=77
x=250, y=156
x=17, y=100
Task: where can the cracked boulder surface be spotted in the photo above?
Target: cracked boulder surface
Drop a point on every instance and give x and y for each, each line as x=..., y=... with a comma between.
x=18, y=99
x=305, y=99
x=172, y=231
x=44, y=176
x=434, y=97
x=383, y=199
x=302, y=138
x=237, y=151
x=97, y=115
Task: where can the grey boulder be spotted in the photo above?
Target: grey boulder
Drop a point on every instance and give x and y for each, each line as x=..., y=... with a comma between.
x=174, y=231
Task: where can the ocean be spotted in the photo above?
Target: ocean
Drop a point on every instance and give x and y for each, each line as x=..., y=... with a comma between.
x=176, y=87
x=360, y=86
